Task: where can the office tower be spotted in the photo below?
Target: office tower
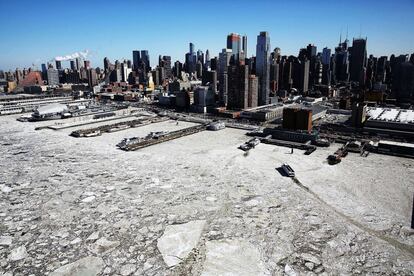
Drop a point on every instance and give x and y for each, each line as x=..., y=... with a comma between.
x=200, y=56
x=52, y=76
x=274, y=77
x=311, y=51
x=326, y=66
x=145, y=61
x=233, y=43
x=166, y=63
x=210, y=79
x=237, y=87
x=262, y=66
x=87, y=64
x=252, y=91
x=190, y=60
x=44, y=71
x=326, y=56
x=223, y=83
x=300, y=73
x=341, y=60
x=73, y=65
x=106, y=64
x=191, y=48
x=199, y=69
x=125, y=71
x=136, y=59
x=224, y=60
x=92, y=78
x=207, y=61
x=275, y=55
x=380, y=73
x=214, y=64
x=79, y=63
x=358, y=59
x=178, y=67
x=244, y=45
x=58, y=65
x=402, y=78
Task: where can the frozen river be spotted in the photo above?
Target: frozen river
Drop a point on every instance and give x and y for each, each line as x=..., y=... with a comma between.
x=196, y=206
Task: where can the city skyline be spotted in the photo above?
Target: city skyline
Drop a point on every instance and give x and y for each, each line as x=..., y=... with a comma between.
x=167, y=32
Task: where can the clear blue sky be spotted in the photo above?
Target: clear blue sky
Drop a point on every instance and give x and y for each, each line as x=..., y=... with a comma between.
x=37, y=31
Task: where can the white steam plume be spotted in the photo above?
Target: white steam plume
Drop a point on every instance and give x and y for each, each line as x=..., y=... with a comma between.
x=81, y=54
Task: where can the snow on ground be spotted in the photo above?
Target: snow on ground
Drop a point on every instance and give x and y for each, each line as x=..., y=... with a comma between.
x=80, y=204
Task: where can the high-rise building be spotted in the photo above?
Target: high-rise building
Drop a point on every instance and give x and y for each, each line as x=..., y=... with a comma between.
x=190, y=60
x=238, y=87
x=341, y=61
x=52, y=76
x=166, y=63
x=224, y=60
x=326, y=66
x=92, y=78
x=58, y=65
x=381, y=69
x=136, y=59
x=73, y=65
x=207, y=61
x=210, y=79
x=358, y=59
x=234, y=43
x=106, y=64
x=178, y=67
x=244, y=45
x=200, y=56
x=87, y=64
x=263, y=66
x=191, y=48
x=79, y=63
x=145, y=60
x=252, y=91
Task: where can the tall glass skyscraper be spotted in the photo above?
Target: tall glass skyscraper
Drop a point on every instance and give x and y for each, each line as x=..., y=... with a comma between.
x=262, y=66
x=234, y=43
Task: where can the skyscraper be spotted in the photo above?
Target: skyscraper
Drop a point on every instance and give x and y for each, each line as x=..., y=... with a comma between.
x=207, y=61
x=234, y=43
x=326, y=66
x=262, y=66
x=244, y=46
x=190, y=60
x=58, y=65
x=136, y=59
x=358, y=59
x=224, y=61
x=145, y=60
x=73, y=65
x=238, y=87
x=52, y=76
x=341, y=62
x=252, y=91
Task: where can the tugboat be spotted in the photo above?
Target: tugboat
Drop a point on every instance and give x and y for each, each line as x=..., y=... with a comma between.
x=253, y=142
x=128, y=141
x=334, y=159
x=288, y=170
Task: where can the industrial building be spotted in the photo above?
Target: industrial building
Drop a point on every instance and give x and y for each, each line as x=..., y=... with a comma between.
x=264, y=113
x=297, y=118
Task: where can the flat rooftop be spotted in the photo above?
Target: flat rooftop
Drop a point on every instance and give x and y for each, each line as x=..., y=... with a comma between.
x=391, y=114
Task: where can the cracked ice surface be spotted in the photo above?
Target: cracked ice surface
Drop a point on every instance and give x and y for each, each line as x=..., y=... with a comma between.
x=64, y=199
x=178, y=240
